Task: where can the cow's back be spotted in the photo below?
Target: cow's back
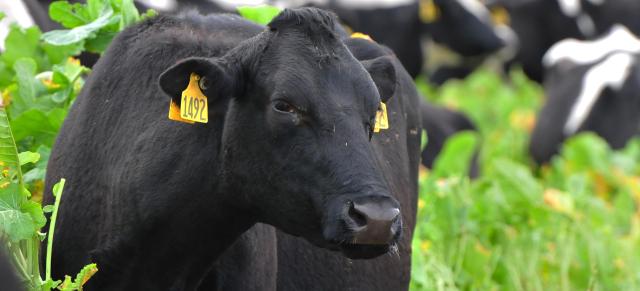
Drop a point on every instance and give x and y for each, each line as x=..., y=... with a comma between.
x=117, y=147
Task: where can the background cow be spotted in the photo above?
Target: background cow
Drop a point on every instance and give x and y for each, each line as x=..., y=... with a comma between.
x=590, y=86
x=539, y=24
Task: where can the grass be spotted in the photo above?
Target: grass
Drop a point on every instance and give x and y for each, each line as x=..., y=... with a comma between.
x=573, y=224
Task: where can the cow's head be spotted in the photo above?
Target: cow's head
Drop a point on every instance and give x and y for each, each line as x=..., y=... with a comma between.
x=590, y=86
x=464, y=26
x=297, y=136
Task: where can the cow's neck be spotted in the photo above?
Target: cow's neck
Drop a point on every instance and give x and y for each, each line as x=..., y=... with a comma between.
x=178, y=246
x=177, y=254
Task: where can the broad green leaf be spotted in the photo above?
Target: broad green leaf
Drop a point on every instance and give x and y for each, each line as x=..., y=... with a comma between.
x=129, y=14
x=79, y=33
x=259, y=14
x=69, y=15
x=456, y=154
x=40, y=125
x=25, y=69
x=28, y=157
x=21, y=43
x=16, y=224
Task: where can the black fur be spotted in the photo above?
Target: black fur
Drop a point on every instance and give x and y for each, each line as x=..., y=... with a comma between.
x=8, y=278
x=155, y=202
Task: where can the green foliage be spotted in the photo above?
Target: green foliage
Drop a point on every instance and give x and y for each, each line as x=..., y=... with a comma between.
x=573, y=224
x=39, y=80
x=92, y=26
x=259, y=14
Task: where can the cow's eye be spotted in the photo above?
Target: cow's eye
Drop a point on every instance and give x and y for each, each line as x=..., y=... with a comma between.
x=283, y=106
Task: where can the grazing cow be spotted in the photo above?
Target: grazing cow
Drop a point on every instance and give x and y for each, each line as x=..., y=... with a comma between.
x=441, y=123
x=289, y=141
x=591, y=86
x=539, y=24
x=8, y=279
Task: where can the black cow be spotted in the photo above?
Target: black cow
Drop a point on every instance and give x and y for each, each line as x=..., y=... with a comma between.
x=8, y=279
x=299, y=264
x=154, y=202
x=441, y=123
x=591, y=86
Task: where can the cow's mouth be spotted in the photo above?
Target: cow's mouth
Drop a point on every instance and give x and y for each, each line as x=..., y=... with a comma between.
x=364, y=251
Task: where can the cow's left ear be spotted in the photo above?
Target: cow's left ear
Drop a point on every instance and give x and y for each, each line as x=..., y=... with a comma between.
x=216, y=79
x=383, y=74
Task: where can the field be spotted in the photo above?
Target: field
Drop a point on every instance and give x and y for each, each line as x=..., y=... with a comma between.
x=573, y=224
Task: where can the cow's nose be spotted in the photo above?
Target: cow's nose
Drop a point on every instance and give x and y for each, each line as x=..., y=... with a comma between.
x=374, y=220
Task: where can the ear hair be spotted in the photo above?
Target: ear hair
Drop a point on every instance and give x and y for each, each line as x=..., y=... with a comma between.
x=383, y=74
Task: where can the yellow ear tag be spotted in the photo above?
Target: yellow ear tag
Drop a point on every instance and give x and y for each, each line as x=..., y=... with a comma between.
x=174, y=113
x=382, y=121
x=193, y=104
x=500, y=15
x=361, y=35
x=429, y=12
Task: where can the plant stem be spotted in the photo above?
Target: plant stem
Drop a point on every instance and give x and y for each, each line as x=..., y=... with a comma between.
x=57, y=192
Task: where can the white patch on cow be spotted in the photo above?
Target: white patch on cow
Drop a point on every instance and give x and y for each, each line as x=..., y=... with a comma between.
x=579, y=52
x=511, y=40
x=612, y=73
x=476, y=9
x=160, y=5
x=570, y=8
x=15, y=12
x=233, y=4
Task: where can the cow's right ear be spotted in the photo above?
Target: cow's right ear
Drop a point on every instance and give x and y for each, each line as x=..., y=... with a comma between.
x=216, y=78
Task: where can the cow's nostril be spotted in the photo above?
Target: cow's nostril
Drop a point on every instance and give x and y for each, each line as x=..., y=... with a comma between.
x=376, y=220
x=359, y=218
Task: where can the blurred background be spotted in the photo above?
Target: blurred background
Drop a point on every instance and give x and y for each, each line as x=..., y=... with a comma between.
x=531, y=174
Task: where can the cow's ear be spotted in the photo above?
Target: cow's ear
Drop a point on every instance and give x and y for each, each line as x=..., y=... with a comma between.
x=383, y=74
x=216, y=78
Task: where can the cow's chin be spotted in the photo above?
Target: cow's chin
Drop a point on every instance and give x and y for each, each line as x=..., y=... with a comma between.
x=355, y=251
x=361, y=251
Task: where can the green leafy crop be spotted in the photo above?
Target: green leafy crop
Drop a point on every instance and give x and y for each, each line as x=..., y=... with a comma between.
x=573, y=224
x=40, y=78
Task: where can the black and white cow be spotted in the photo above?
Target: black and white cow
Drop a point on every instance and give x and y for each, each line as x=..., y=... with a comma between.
x=590, y=86
x=539, y=24
x=289, y=141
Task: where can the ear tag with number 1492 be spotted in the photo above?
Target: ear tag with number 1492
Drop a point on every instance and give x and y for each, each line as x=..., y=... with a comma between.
x=193, y=103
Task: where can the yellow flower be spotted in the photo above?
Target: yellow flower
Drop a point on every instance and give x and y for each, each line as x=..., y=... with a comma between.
x=425, y=245
x=420, y=204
